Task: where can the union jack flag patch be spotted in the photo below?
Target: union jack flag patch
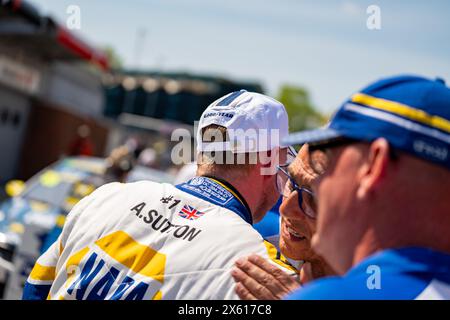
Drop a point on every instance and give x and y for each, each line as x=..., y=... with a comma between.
x=190, y=213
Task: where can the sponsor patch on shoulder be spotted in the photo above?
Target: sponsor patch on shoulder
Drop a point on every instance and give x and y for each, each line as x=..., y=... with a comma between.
x=209, y=190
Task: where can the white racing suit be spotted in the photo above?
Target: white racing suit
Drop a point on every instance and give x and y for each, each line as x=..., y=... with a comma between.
x=147, y=240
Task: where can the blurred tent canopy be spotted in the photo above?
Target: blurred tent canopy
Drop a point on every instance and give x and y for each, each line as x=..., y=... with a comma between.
x=170, y=96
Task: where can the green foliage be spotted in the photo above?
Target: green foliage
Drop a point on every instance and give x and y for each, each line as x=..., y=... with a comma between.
x=302, y=113
x=115, y=61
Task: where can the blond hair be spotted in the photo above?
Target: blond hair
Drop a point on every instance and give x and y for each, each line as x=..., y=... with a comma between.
x=218, y=162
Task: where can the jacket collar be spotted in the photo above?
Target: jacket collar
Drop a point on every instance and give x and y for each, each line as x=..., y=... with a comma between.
x=218, y=192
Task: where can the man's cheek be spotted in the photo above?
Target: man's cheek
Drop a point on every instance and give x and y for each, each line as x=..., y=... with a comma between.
x=312, y=225
x=316, y=244
x=324, y=208
x=321, y=236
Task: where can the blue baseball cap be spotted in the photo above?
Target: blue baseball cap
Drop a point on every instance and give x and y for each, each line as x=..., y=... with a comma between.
x=412, y=113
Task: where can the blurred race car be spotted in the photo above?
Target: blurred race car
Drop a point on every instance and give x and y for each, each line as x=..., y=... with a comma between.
x=36, y=206
x=32, y=218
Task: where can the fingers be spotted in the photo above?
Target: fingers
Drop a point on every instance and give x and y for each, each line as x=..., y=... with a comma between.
x=243, y=292
x=288, y=281
x=250, y=285
x=258, y=282
x=306, y=274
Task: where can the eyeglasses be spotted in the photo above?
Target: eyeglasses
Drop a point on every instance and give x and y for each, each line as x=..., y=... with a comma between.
x=325, y=147
x=286, y=185
x=320, y=152
x=291, y=155
x=331, y=143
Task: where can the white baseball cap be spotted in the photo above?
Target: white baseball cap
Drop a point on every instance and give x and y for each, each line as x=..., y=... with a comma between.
x=254, y=123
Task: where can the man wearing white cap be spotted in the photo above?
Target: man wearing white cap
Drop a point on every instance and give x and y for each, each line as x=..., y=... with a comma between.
x=147, y=240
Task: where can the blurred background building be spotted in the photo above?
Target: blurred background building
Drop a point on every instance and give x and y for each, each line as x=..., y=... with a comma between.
x=57, y=91
x=47, y=89
x=72, y=119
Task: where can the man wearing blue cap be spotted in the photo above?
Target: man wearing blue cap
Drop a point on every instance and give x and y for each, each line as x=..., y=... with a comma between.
x=383, y=196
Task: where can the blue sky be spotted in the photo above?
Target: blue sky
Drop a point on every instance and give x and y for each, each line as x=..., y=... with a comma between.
x=324, y=46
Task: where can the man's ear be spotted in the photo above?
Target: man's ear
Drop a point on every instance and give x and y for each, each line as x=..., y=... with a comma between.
x=373, y=168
